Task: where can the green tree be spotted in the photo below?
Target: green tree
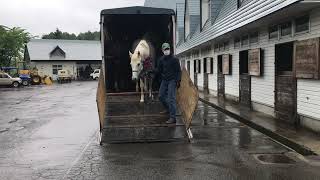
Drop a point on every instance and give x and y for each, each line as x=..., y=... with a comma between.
x=65, y=35
x=12, y=43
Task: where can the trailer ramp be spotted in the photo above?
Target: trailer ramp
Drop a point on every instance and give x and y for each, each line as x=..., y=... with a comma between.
x=129, y=120
x=123, y=118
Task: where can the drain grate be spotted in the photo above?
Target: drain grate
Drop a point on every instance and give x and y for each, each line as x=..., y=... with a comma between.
x=274, y=159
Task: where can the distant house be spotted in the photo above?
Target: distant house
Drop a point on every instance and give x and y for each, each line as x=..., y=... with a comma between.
x=75, y=56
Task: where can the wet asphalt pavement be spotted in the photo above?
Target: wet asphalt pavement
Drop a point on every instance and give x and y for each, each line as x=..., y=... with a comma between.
x=49, y=132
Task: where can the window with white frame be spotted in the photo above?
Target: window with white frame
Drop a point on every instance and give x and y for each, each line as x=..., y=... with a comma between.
x=205, y=11
x=273, y=32
x=286, y=29
x=56, y=68
x=302, y=24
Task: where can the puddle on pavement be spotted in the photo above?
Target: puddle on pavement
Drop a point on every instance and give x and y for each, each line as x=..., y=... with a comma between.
x=4, y=130
x=14, y=120
x=18, y=128
x=274, y=159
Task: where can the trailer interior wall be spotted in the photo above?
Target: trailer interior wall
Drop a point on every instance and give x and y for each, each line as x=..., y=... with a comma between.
x=120, y=33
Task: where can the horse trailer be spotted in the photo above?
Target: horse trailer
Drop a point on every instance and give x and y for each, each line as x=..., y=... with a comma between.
x=122, y=117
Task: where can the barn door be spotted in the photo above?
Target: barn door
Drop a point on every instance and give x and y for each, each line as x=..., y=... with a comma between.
x=221, y=84
x=205, y=76
x=285, y=84
x=244, y=80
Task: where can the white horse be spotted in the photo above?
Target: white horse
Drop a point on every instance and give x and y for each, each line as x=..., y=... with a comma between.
x=141, y=56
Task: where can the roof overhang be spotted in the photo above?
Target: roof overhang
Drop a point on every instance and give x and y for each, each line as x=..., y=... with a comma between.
x=287, y=9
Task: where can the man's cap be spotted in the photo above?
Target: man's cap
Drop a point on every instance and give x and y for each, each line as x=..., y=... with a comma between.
x=165, y=46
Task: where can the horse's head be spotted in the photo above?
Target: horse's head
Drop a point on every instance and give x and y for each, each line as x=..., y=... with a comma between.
x=136, y=64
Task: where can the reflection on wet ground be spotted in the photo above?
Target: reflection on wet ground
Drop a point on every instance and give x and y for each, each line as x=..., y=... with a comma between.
x=49, y=132
x=222, y=148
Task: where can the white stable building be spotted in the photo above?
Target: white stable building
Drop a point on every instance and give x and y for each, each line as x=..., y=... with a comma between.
x=51, y=55
x=263, y=54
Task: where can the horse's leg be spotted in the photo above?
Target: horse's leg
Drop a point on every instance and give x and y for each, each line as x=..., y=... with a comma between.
x=137, y=86
x=145, y=83
x=141, y=88
x=150, y=88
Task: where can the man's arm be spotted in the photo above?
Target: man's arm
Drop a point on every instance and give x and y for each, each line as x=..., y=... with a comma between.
x=159, y=67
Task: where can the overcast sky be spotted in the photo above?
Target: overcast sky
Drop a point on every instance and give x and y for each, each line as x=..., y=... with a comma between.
x=43, y=16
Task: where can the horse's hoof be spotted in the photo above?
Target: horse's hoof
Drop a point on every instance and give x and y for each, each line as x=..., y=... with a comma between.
x=141, y=101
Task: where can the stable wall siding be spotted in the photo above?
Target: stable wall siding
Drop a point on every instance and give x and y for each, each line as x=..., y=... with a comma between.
x=194, y=23
x=262, y=88
x=212, y=78
x=200, y=75
x=194, y=7
x=308, y=95
x=191, y=71
x=231, y=81
x=228, y=7
x=45, y=68
x=180, y=14
x=216, y=6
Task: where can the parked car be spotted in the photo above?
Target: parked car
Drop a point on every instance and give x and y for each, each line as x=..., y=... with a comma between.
x=7, y=80
x=95, y=75
x=64, y=76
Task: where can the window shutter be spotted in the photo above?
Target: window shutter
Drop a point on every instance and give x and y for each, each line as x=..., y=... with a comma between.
x=306, y=59
x=255, y=62
x=226, y=64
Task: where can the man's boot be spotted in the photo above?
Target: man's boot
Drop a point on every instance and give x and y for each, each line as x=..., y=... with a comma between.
x=164, y=112
x=171, y=121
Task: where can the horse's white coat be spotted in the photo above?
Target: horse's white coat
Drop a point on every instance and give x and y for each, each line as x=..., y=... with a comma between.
x=142, y=51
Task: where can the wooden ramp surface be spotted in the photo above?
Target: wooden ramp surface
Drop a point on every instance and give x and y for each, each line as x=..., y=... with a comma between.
x=128, y=120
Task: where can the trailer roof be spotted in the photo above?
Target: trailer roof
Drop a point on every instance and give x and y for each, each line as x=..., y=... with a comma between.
x=137, y=10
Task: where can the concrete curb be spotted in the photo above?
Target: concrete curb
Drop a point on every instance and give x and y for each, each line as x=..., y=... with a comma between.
x=288, y=142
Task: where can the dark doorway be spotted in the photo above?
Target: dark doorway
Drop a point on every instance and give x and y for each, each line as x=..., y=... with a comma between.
x=195, y=74
x=285, y=84
x=188, y=67
x=244, y=80
x=221, y=92
x=205, y=76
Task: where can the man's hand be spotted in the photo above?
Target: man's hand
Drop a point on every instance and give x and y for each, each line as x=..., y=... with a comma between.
x=178, y=84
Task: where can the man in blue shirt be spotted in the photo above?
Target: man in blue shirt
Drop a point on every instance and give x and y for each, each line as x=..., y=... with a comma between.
x=170, y=71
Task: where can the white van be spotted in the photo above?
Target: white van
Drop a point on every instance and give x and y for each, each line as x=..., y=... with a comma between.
x=95, y=75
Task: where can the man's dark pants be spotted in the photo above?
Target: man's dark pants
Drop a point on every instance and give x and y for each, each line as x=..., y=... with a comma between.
x=167, y=95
